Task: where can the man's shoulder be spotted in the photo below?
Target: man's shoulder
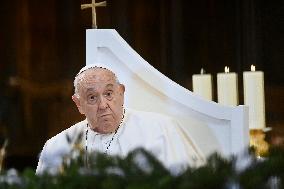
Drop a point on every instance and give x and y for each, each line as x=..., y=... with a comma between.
x=149, y=116
x=70, y=132
x=149, y=130
x=151, y=120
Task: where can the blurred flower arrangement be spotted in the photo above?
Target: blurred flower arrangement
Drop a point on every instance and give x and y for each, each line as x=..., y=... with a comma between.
x=141, y=170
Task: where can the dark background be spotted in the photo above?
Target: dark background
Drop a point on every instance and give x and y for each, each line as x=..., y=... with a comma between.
x=42, y=46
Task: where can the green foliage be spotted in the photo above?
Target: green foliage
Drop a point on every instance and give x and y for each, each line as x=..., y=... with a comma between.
x=215, y=174
x=140, y=170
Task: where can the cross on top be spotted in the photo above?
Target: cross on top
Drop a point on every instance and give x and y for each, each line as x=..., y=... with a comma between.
x=93, y=5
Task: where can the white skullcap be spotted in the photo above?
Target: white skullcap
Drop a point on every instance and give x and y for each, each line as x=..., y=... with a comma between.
x=94, y=65
x=89, y=66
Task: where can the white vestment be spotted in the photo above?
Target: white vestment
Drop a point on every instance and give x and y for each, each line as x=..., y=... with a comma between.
x=159, y=134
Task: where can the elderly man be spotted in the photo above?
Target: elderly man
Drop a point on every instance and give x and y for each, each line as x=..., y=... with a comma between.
x=112, y=129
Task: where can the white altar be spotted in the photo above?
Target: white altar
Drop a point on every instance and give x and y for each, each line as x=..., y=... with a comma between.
x=211, y=126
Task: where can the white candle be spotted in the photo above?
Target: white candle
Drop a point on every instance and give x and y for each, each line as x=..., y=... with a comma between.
x=202, y=85
x=227, y=88
x=254, y=97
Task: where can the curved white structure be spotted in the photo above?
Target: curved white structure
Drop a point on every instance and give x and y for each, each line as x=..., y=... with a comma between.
x=212, y=127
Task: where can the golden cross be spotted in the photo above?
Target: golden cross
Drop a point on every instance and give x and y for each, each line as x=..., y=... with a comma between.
x=93, y=5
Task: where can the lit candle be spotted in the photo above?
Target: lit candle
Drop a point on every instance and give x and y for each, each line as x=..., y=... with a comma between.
x=202, y=84
x=227, y=88
x=254, y=97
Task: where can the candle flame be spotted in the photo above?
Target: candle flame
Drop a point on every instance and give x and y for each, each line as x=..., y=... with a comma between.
x=202, y=71
x=252, y=68
x=227, y=69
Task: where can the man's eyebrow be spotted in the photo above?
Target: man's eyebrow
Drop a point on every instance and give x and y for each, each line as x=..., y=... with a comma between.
x=94, y=90
x=110, y=85
x=91, y=90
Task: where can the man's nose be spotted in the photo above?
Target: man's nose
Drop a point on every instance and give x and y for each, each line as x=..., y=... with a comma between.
x=103, y=103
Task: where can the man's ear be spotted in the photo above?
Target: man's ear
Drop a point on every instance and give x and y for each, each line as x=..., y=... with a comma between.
x=76, y=99
x=122, y=89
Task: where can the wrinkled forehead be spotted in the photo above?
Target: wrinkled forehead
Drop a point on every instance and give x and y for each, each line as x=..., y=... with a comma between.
x=98, y=74
x=96, y=77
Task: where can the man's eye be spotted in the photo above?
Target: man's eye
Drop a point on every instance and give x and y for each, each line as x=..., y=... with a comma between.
x=109, y=94
x=92, y=98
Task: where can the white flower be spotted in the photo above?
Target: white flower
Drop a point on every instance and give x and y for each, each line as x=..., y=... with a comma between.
x=11, y=177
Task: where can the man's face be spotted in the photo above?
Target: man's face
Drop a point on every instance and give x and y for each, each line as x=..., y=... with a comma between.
x=100, y=99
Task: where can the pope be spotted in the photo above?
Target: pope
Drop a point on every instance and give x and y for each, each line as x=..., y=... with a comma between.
x=113, y=129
